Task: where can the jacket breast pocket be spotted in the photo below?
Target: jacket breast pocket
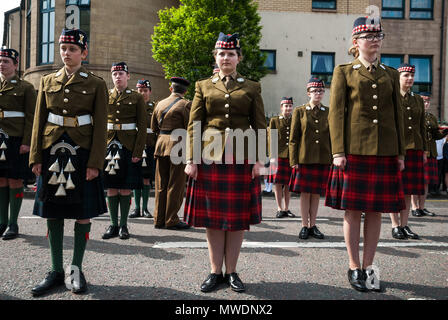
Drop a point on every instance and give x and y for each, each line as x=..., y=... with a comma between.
x=53, y=95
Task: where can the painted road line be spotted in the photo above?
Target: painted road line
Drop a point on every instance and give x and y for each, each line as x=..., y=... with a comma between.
x=256, y=244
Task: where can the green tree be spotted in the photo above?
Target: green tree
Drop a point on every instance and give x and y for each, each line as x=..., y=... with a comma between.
x=185, y=37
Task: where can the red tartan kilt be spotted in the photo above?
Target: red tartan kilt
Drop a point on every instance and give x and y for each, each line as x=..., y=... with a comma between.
x=224, y=197
x=368, y=184
x=431, y=171
x=310, y=178
x=414, y=173
x=283, y=173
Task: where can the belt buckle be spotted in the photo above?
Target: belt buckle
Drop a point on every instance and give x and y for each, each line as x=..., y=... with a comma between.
x=70, y=122
x=2, y=115
x=117, y=126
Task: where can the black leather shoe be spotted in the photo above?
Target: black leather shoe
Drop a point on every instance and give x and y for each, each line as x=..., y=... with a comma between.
x=52, y=280
x=159, y=227
x=235, y=282
x=428, y=213
x=289, y=214
x=281, y=214
x=315, y=233
x=366, y=276
x=111, y=232
x=79, y=285
x=397, y=233
x=212, y=281
x=147, y=214
x=304, y=233
x=418, y=213
x=357, y=279
x=124, y=233
x=3, y=228
x=179, y=226
x=12, y=232
x=408, y=233
x=135, y=213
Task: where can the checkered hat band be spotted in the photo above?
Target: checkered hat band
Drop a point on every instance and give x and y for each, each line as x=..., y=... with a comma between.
x=143, y=85
x=225, y=45
x=118, y=68
x=286, y=102
x=406, y=69
x=5, y=54
x=366, y=28
x=65, y=38
x=315, y=85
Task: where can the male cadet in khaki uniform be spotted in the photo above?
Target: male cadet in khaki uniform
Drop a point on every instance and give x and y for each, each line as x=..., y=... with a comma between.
x=17, y=103
x=170, y=114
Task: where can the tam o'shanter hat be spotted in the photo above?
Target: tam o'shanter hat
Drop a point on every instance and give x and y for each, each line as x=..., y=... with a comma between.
x=406, y=67
x=180, y=80
x=315, y=83
x=287, y=100
x=120, y=66
x=228, y=41
x=143, y=84
x=366, y=24
x=74, y=36
x=9, y=53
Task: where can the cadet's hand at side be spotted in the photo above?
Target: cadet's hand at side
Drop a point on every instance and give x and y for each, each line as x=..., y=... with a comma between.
x=91, y=173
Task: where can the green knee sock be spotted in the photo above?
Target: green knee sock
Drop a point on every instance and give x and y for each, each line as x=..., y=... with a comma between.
x=15, y=203
x=137, y=196
x=125, y=203
x=113, y=209
x=81, y=237
x=55, y=238
x=145, y=196
x=4, y=205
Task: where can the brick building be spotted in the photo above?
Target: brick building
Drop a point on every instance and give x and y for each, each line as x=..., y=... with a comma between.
x=300, y=38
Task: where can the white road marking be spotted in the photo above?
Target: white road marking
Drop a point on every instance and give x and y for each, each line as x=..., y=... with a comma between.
x=256, y=244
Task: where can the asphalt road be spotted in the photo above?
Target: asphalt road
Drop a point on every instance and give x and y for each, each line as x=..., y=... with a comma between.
x=170, y=265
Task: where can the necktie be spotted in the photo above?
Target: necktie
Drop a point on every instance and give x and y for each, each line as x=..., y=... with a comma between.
x=227, y=81
x=371, y=68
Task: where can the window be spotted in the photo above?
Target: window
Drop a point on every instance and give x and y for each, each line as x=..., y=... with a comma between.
x=392, y=60
x=324, y=4
x=422, y=9
x=79, y=17
x=423, y=73
x=271, y=59
x=393, y=9
x=322, y=65
x=28, y=34
x=46, y=48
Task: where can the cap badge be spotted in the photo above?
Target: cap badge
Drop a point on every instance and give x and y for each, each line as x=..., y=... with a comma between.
x=13, y=81
x=240, y=80
x=128, y=91
x=214, y=80
x=83, y=74
x=356, y=66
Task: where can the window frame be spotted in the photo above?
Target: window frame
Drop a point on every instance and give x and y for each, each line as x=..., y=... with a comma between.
x=403, y=10
x=393, y=55
x=329, y=1
x=421, y=10
x=430, y=59
x=326, y=75
x=42, y=11
x=267, y=51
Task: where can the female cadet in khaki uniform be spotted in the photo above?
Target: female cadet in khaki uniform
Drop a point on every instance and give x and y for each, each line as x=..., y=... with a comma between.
x=283, y=170
x=67, y=153
x=125, y=144
x=310, y=156
x=224, y=198
x=416, y=148
x=17, y=103
x=148, y=164
x=367, y=138
x=431, y=167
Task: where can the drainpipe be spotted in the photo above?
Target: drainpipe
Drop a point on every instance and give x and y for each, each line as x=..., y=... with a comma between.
x=441, y=60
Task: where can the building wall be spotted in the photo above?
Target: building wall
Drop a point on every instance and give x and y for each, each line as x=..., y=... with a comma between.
x=112, y=39
x=13, y=32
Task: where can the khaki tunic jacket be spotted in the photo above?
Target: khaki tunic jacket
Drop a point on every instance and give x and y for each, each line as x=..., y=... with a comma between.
x=219, y=108
x=150, y=137
x=82, y=94
x=18, y=95
x=366, y=116
x=175, y=118
x=310, y=136
x=128, y=107
x=283, y=126
x=414, y=122
x=432, y=134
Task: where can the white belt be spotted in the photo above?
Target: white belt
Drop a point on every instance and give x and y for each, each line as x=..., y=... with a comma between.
x=148, y=130
x=62, y=121
x=121, y=126
x=11, y=114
